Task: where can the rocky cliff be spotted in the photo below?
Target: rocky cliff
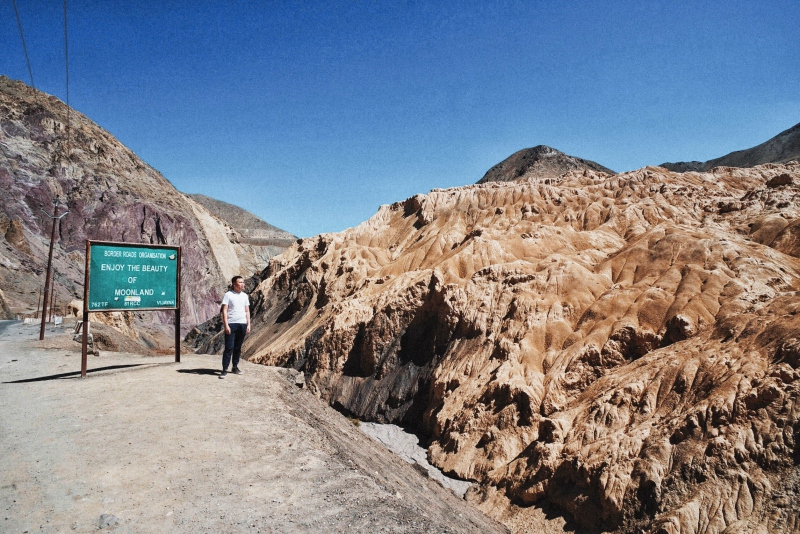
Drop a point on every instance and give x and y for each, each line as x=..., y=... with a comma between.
x=782, y=148
x=244, y=222
x=111, y=195
x=623, y=349
x=539, y=162
x=259, y=237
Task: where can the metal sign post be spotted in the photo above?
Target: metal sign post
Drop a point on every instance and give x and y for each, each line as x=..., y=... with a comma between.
x=128, y=276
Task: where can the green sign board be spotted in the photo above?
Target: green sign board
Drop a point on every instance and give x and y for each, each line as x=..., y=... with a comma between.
x=132, y=277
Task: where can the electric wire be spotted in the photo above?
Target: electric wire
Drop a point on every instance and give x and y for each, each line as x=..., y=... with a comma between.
x=24, y=48
x=66, y=68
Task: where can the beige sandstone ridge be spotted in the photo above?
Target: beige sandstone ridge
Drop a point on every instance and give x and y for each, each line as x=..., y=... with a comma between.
x=111, y=195
x=623, y=349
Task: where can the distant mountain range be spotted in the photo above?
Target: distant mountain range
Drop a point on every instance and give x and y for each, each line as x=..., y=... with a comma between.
x=782, y=148
x=545, y=162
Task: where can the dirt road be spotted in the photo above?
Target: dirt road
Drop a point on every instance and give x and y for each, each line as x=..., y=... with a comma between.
x=148, y=445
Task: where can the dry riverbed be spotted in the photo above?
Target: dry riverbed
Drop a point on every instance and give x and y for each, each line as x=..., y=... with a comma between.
x=148, y=445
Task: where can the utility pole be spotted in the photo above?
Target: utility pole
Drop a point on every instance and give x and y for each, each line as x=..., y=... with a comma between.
x=52, y=297
x=38, y=303
x=56, y=218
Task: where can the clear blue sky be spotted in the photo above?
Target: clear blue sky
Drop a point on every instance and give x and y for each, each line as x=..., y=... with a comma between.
x=312, y=114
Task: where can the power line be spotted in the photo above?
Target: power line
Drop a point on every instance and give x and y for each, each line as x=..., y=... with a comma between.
x=48, y=291
x=66, y=68
x=24, y=48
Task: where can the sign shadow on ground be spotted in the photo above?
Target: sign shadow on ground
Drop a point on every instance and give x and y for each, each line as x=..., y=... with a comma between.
x=61, y=376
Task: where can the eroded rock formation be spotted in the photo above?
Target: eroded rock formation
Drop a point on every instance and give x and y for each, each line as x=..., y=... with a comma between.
x=626, y=348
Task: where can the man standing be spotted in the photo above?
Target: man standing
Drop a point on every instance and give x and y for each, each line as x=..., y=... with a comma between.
x=236, y=319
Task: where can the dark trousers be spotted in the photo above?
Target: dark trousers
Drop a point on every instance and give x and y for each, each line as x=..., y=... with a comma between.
x=233, y=345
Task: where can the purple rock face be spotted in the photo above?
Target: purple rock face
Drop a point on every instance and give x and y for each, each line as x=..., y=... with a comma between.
x=111, y=195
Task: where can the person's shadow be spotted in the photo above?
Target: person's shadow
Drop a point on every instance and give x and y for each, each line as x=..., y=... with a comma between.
x=211, y=372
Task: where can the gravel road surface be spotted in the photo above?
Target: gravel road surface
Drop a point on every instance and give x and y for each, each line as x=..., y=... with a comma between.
x=144, y=444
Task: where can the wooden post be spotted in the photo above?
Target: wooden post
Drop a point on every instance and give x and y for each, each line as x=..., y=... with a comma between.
x=85, y=326
x=178, y=312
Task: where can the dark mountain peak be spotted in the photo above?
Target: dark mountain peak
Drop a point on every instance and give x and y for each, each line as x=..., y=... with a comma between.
x=540, y=161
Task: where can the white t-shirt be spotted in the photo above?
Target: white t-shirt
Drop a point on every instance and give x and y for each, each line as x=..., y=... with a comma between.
x=236, y=303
